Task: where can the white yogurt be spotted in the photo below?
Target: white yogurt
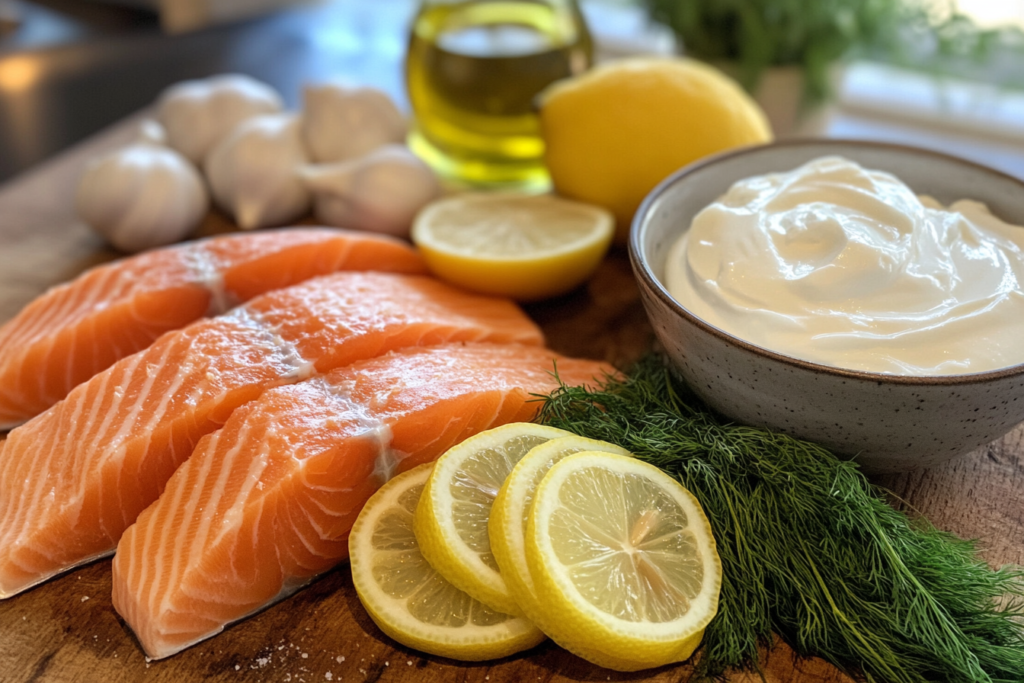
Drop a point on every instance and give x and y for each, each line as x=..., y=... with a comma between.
x=847, y=267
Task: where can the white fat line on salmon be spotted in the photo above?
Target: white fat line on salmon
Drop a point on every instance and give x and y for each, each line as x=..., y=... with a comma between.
x=371, y=427
x=205, y=272
x=288, y=352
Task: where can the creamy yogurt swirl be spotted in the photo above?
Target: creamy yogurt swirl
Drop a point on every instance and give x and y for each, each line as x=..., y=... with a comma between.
x=844, y=266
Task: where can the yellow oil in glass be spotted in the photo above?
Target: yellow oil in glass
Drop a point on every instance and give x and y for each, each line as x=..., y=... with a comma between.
x=473, y=71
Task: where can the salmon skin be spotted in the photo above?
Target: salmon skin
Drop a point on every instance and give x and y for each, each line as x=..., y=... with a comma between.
x=73, y=478
x=75, y=330
x=266, y=503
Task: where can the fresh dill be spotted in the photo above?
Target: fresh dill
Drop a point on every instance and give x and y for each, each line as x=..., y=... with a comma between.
x=810, y=549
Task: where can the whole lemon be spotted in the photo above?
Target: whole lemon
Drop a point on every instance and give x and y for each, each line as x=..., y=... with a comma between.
x=614, y=132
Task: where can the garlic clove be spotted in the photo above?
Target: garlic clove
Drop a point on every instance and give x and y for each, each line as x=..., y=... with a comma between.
x=198, y=114
x=380, y=192
x=253, y=172
x=343, y=122
x=141, y=196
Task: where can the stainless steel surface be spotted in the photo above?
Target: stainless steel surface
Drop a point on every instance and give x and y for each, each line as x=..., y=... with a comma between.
x=91, y=71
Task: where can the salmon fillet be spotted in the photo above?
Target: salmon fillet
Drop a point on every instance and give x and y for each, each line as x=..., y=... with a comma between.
x=75, y=330
x=73, y=478
x=266, y=503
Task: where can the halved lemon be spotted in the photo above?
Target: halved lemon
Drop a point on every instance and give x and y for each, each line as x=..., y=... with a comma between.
x=453, y=512
x=527, y=247
x=410, y=601
x=507, y=528
x=623, y=560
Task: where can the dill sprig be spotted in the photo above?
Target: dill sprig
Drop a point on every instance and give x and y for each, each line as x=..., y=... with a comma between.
x=810, y=549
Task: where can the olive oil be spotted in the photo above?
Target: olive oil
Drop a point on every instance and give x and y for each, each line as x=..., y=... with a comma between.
x=473, y=71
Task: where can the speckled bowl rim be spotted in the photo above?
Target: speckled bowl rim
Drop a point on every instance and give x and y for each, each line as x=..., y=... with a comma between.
x=642, y=271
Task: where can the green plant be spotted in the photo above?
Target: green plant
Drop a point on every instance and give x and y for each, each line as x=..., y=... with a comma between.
x=756, y=34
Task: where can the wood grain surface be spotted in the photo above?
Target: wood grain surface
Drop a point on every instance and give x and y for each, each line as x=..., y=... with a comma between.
x=66, y=629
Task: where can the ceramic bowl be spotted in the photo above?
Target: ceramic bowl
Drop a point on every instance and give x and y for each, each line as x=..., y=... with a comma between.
x=886, y=422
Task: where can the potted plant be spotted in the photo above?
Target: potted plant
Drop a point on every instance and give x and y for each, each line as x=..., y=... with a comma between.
x=795, y=45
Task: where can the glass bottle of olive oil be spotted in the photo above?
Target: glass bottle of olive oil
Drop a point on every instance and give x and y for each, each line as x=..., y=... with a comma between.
x=473, y=70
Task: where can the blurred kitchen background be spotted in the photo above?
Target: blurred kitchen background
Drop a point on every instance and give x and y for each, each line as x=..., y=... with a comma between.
x=949, y=78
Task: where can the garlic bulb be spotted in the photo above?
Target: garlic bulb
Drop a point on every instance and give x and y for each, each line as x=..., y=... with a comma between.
x=198, y=114
x=142, y=196
x=380, y=192
x=341, y=123
x=253, y=172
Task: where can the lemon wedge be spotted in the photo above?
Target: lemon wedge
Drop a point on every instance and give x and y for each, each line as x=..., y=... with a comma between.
x=454, y=510
x=623, y=560
x=527, y=247
x=411, y=602
x=507, y=527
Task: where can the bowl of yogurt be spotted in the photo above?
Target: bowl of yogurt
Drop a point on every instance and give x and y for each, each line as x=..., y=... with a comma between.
x=865, y=296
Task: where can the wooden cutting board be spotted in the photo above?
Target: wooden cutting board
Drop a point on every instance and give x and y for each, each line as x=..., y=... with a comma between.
x=66, y=630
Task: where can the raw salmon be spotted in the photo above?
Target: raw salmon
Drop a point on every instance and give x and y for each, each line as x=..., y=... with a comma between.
x=266, y=503
x=73, y=478
x=74, y=331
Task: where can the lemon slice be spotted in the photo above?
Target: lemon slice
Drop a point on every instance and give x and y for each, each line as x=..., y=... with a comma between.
x=453, y=512
x=527, y=247
x=507, y=528
x=623, y=560
x=411, y=602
